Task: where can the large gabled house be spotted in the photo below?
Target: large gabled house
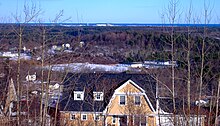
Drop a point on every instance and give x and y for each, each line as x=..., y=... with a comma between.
x=114, y=99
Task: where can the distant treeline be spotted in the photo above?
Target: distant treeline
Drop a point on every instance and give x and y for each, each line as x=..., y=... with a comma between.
x=135, y=43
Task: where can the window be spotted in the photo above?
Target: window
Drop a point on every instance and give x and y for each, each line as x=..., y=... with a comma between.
x=143, y=121
x=84, y=117
x=137, y=120
x=122, y=100
x=78, y=95
x=72, y=116
x=113, y=119
x=140, y=120
x=137, y=100
x=98, y=96
x=96, y=117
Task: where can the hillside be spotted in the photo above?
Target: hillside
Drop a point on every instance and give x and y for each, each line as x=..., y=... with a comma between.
x=110, y=45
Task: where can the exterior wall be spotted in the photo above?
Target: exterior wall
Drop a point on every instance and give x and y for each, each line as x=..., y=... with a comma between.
x=66, y=119
x=151, y=121
x=129, y=108
x=109, y=121
x=129, y=91
x=129, y=88
x=165, y=120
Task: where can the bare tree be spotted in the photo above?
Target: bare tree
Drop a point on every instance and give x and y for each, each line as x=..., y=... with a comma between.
x=207, y=18
x=188, y=18
x=217, y=103
x=173, y=12
x=30, y=13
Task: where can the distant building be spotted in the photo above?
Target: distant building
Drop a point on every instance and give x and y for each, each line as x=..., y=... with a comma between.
x=101, y=25
x=11, y=98
x=31, y=77
x=159, y=64
x=14, y=55
x=81, y=44
x=9, y=54
x=66, y=47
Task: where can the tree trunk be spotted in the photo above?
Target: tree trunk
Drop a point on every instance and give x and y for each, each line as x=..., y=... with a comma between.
x=42, y=77
x=217, y=102
x=18, y=75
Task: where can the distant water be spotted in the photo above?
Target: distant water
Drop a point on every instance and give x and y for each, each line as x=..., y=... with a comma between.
x=121, y=24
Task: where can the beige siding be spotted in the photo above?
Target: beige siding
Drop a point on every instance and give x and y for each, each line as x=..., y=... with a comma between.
x=66, y=120
x=129, y=108
x=109, y=121
x=151, y=121
x=129, y=88
x=116, y=109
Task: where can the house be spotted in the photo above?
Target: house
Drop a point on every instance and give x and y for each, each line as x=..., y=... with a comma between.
x=115, y=99
x=60, y=48
x=159, y=64
x=15, y=56
x=31, y=77
x=81, y=44
x=8, y=112
x=9, y=54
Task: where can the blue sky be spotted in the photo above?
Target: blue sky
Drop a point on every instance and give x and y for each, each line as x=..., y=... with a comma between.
x=107, y=11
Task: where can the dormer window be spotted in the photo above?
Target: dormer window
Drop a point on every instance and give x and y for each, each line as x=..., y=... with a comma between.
x=84, y=117
x=96, y=117
x=98, y=96
x=72, y=116
x=78, y=95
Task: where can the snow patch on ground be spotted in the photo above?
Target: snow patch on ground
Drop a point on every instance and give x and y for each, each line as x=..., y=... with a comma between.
x=87, y=67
